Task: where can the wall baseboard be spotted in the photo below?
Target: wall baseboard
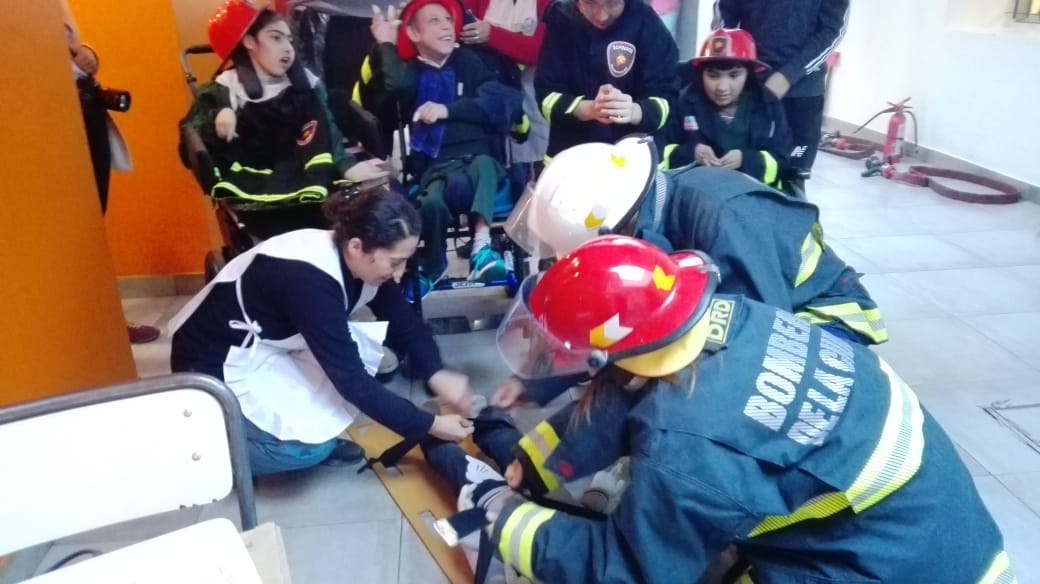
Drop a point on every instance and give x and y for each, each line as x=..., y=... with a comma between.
x=154, y=286
x=928, y=156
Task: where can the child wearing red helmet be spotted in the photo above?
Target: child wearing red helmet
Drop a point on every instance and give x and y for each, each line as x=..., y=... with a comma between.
x=459, y=113
x=744, y=425
x=724, y=118
x=264, y=119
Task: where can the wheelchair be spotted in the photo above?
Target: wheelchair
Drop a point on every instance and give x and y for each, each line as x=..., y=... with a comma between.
x=243, y=223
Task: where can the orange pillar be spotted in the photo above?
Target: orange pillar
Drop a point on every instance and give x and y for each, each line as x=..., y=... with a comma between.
x=61, y=322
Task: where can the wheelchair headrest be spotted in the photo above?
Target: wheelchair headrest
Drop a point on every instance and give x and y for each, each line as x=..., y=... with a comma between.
x=251, y=81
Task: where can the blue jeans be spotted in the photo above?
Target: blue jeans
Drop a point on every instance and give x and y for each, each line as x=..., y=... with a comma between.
x=269, y=454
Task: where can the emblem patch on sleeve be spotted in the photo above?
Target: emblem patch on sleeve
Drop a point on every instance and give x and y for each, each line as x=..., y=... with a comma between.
x=621, y=56
x=307, y=133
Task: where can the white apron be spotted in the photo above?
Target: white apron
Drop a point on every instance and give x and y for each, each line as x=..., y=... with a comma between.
x=280, y=386
x=521, y=16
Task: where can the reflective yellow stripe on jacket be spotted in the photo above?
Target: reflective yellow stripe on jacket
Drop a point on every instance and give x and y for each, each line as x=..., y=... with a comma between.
x=539, y=445
x=323, y=159
x=771, y=169
x=311, y=193
x=364, y=79
x=893, y=463
x=516, y=541
x=812, y=250
x=549, y=103
x=662, y=104
x=666, y=153
x=999, y=571
x=868, y=323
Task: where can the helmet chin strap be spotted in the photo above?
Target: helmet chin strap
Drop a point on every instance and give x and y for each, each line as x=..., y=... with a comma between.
x=660, y=195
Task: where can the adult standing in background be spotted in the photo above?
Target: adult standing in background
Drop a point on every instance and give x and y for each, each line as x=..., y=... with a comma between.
x=795, y=38
x=107, y=147
x=607, y=69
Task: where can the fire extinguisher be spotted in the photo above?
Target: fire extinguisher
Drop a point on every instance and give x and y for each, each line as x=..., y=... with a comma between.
x=892, y=151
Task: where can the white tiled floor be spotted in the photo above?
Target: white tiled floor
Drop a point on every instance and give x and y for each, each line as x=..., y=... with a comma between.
x=959, y=285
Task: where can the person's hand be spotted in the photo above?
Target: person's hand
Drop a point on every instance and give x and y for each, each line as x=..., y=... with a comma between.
x=778, y=84
x=430, y=113
x=451, y=427
x=508, y=394
x=514, y=475
x=225, y=124
x=586, y=111
x=86, y=59
x=476, y=33
x=453, y=389
x=705, y=155
x=617, y=107
x=733, y=159
x=384, y=26
x=372, y=169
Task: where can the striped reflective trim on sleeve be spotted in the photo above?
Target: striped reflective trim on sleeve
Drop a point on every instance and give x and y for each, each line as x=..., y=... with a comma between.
x=516, y=541
x=237, y=167
x=662, y=104
x=666, y=153
x=897, y=456
x=999, y=571
x=224, y=190
x=771, y=173
x=574, y=105
x=867, y=322
x=812, y=250
x=815, y=508
x=319, y=160
x=745, y=578
x=539, y=445
x=523, y=126
x=549, y=103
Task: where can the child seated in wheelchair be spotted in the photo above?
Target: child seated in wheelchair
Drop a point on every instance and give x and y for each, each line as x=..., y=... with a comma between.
x=725, y=117
x=264, y=120
x=459, y=114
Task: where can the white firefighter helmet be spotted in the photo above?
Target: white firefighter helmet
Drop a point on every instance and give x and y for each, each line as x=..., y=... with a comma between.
x=585, y=191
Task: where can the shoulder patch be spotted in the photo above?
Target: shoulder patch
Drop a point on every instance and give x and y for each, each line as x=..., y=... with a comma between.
x=307, y=133
x=719, y=316
x=621, y=57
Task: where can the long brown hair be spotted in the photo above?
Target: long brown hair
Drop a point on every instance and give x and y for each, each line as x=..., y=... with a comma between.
x=613, y=378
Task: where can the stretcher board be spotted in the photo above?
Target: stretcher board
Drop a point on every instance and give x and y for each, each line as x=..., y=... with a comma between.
x=419, y=493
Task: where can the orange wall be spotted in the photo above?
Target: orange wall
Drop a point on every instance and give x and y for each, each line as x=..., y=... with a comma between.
x=61, y=327
x=158, y=222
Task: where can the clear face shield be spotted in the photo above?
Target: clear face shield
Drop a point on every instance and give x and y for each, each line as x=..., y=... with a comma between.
x=529, y=350
x=583, y=193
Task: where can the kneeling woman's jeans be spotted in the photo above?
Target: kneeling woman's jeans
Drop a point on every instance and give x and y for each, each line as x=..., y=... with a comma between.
x=269, y=455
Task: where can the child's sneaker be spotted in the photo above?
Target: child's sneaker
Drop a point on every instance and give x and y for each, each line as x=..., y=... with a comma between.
x=486, y=265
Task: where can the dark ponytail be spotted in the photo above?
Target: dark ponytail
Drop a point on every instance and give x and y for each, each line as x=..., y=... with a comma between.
x=378, y=217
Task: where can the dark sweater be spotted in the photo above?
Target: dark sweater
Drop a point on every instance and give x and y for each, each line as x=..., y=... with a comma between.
x=794, y=37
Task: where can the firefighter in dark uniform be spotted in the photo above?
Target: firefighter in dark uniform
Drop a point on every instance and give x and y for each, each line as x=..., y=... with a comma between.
x=606, y=69
x=768, y=246
x=795, y=38
x=744, y=426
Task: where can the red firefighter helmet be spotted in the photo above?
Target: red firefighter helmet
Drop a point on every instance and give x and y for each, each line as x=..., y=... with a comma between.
x=612, y=298
x=730, y=44
x=405, y=47
x=230, y=23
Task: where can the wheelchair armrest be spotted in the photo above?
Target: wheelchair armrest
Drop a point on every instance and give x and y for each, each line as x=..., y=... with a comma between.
x=196, y=158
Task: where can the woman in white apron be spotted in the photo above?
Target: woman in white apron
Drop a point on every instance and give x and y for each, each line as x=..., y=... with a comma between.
x=273, y=325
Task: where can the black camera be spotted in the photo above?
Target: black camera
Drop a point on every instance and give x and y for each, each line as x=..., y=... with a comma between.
x=116, y=100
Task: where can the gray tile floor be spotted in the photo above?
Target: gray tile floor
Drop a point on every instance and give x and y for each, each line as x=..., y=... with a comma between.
x=959, y=285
